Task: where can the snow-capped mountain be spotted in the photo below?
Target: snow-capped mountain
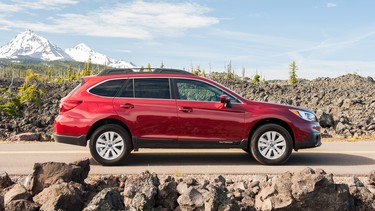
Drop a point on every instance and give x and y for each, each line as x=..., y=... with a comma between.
x=82, y=53
x=28, y=44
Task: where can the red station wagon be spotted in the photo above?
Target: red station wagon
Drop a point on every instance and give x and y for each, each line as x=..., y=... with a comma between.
x=120, y=110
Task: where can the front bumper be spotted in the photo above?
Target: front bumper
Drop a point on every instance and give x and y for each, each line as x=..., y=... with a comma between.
x=75, y=140
x=314, y=139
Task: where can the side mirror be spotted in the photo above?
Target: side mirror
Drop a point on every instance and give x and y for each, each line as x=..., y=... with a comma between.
x=225, y=99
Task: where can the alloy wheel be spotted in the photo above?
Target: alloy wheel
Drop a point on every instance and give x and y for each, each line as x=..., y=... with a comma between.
x=272, y=145
x=110, y=145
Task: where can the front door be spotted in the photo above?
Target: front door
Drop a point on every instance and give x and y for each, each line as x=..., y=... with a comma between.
x=202, y=118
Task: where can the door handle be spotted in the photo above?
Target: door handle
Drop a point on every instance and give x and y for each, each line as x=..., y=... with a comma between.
x=185, y=109
x=127, y=106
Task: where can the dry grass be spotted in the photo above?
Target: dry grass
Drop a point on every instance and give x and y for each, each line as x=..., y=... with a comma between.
x=178, y=173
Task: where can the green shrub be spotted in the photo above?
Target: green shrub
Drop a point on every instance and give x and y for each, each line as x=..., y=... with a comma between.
x=29, y=91
x=256, y=78
x=10, y=108
x=9, y=103
x=30, y=94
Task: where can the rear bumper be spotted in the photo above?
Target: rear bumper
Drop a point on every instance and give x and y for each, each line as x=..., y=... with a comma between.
x=312, y=140
x=75, y=140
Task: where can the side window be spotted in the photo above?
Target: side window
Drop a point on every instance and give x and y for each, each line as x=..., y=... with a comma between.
x=152, y=88
x=127, y=90
x=108, y=88
x=199, y=91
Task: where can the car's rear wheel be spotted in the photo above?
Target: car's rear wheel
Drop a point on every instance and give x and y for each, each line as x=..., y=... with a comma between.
x=110, y=144
x=271, y=144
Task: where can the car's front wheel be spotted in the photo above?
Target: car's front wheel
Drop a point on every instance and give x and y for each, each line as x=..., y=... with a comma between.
x=271, y=144
x=110, y=144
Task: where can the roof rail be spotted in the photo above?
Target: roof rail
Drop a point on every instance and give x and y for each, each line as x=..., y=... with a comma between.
x=172, y=71
x=132, y=71
x=116, y=71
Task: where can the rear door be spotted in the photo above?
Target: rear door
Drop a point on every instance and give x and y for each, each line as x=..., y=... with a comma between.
x=147, y=106
x=201, y=116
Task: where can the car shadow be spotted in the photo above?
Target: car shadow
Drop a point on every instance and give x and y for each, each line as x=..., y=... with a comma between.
x=329, y=159
x=238, y=158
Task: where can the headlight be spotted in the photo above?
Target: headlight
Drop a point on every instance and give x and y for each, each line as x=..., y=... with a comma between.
x=305, y=115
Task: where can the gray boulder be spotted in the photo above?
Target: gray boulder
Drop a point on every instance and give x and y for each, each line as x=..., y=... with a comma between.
x=182, y=187
x=17, y=192
x=216, y=200
x=5, y=180
x=25, y=137
x=354, y=181
x=46, y=174
x=220, y=179
x=363, y=198
x=167, y=195
x=107, y=199
x=304, y=189
x=61, y=196
x=326, y=120
x=22, y=204
x=191, y=200
x=140, y=191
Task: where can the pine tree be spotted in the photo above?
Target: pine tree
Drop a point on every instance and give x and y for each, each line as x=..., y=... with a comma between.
x=69, y=71
x=141, y=69
x=204, y=73
x=162, y=64
x=149, y=67
x=264, y=80
x=87, y=68
x=210, y=71
x=243, y=73
x=229, y=71
x=49, y=74
x=105, y=66
x=97, y=70
x=292, y=73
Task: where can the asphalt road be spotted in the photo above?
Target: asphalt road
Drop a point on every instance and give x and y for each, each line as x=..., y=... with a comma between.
x=339, y=158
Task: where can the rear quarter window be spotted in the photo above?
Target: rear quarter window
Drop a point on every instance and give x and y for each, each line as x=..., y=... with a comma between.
x=107, y=88
x=157, y=88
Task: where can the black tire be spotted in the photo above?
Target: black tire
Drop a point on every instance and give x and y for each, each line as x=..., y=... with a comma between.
x=98, y=142
x=271, y=144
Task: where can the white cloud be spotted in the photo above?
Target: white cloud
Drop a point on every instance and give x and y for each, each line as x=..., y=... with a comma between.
x=9, y=8
x=21, y=5
x=43, y=4
x=138, y=19
x=331, y=5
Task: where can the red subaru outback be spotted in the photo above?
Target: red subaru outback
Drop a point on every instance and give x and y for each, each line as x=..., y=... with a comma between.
x=121, y=110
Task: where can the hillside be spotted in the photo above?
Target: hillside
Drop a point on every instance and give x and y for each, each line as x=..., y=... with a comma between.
x=346, y=104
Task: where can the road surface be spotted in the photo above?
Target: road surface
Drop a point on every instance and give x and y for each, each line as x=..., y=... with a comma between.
x=339, y=158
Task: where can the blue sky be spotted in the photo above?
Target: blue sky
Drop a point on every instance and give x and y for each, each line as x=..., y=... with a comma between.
x=325, y=38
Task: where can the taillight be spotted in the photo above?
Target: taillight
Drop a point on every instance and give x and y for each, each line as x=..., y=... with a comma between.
x=67, y=105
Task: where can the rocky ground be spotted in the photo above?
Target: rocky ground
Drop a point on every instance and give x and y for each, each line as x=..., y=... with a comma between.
x=60, y=186
x=345, y=105
x=34, y=119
